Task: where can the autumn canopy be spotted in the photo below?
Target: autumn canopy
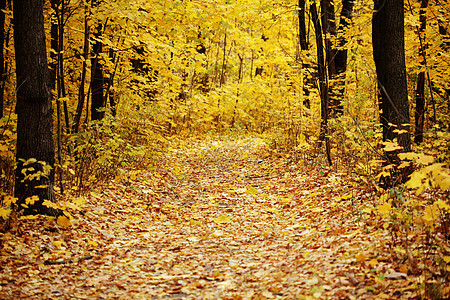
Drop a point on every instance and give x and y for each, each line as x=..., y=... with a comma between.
x=224, y=149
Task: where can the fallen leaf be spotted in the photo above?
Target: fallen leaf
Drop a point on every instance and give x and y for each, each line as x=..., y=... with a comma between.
x=63, y=221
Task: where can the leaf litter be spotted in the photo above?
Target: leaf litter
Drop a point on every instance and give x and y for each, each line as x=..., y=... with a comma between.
x=215, y=219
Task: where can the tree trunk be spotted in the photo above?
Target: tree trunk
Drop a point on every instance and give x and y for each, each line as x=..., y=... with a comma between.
x=323, y=84
x=419, y=113
x=302, y=25
x=54, y=49
x=340, y=57
x=329, y=30
x=34, y=109
x=98, y=102
x=2, y=56
x=389, y=56
x=81, y=92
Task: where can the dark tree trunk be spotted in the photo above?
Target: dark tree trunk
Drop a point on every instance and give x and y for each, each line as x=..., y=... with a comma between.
x=53, y=63
x=302, y=25
x=389, y=56
x=445, y=45
x=304, y=45
x=98, y=102
x=323, y=84
x=329, y=31
x=340, y=58
x=2, y=56
x=109, y=94
x=419, y=113
x=81, y=92
x=34, y=109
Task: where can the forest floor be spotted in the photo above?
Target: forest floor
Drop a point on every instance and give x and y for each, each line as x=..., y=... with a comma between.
x=216, y=219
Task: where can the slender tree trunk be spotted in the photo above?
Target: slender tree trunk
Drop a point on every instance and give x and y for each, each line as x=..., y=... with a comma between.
x=54, y=49
x=34, y=110
x=323, y=84
x=302, y=25
x=304, y=46
x=98, y=101
x=2, y=56
x=445, y=46
x=110, y=81
x=329, y=31
x=81, y=92
x=222, y=74
x=389, y=56
x=61, y=81
x=419, y=113
x=340, y=57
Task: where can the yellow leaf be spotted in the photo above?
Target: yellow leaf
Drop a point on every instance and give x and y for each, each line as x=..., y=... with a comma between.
x=361, y=258
x=79, y=201
x=408, y=155
x=95, y=195
x=367, y=210
x=4, y=213
x=92, y=243
x=252, y=191
x=222, y=219
x=345, y=197
x=416, y=180
x=50, y=204
x=63, y=221
x=389, y=146
x=400, y=131
x=431, y=213
x=444, y=184
x=442, y=204
x=425, y=160
x=384, y=208
x=31, y=200
x=58, y=243
x=30, y=161
x=446, y=259
x=195, y=223
x=8, y=200
x=373, y=262
x=44, y=186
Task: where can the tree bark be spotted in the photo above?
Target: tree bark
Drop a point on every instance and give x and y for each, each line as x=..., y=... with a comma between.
x=2, y=56
x=389, y=56
x=98, y=101
x=329, y=30
x=34, y=109
x=338, y=62
x=323, y=84
x=97, y=78
x=302, y=25
x=53, y=63
x=419, y=113
x=81, y=92
x=340, y=59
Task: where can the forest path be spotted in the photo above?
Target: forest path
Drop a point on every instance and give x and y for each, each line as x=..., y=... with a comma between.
x=217, y=219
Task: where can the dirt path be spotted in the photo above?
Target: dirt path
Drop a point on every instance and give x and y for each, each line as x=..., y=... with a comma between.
x=217, y=220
